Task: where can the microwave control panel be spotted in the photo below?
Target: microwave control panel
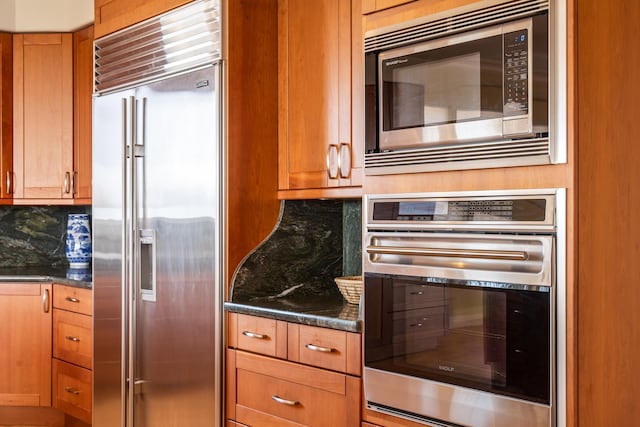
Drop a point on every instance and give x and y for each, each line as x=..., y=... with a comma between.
x=516, y=73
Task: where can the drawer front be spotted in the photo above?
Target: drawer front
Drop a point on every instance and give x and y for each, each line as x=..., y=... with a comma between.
x=69, y=298
x=72, y=390
x=291, y=401
x=72, y=338
x=258, y=335
x=325, y=348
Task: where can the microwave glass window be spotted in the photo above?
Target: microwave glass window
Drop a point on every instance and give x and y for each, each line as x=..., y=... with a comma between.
x=452, y=84
x=446, y=91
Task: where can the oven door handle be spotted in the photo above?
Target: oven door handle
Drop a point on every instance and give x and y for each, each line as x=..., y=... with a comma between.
x=452, y=253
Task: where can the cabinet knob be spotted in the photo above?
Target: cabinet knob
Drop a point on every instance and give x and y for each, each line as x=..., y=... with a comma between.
x=344, y=160
x=74, y=339
x=45, y=301
x=72, y=390
x=319, y=348
x=254, y=335
x=285, y=401
x=67, y=183
x=333, y=161
x=72, y=299
x=9, y=182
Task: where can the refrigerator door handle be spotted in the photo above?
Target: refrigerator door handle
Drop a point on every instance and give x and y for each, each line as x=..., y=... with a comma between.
x=130, y=221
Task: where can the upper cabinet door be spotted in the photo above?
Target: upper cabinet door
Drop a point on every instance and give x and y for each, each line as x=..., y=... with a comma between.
x=82, y=112
x=6, y=115
x=369, y=6
x=43, y=116
x=315, y=88
x=113, y=15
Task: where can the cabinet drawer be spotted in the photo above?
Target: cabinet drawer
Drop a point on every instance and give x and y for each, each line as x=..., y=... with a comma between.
x=259, y=335
x=325, y=348
x=72, y=339
x=72, y=390
x=72, y=299
x=275, y=392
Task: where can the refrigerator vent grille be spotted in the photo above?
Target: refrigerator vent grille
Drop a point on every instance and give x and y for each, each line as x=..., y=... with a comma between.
x=459, y=157
x=177, y=41
x=442, y=24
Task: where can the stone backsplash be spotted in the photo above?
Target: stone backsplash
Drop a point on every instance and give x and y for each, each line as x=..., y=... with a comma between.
x=313, y=242
x=34, y=235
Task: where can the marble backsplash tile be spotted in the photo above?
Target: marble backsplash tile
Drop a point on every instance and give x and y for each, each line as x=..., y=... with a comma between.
x=34, y=235
x=313, y=242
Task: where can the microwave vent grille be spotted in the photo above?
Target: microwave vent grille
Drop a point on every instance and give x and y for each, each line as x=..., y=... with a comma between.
x=459, y=157
x=175, y=42
x=442, y=24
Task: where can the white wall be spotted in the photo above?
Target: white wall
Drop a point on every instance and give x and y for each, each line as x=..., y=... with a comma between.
x=45, y=15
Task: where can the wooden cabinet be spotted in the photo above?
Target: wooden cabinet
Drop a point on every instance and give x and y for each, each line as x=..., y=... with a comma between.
x=320, y=80
x=113, y=15
x=6, y=114
x=52, y=90
x=25, y=355
x=608, y=230
x=313, y=369
x=42, y=116
x=72, y=351
x=369, y=6
x=82, y=113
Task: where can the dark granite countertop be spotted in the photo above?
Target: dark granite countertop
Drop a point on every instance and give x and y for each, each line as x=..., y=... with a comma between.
x=326, y=312
x=62, y=275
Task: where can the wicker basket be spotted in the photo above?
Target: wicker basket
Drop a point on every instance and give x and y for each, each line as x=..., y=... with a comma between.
x=350, y=288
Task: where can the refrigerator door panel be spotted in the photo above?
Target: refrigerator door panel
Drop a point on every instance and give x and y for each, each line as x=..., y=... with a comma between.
x=177, y=325
x=110, y=133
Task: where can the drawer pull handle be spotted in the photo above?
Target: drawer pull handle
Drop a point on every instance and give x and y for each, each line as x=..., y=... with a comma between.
x=320, y=349
x=72, y=390
x=254, y=335
x=72, y=299
x=285, y=401
x=74, y=339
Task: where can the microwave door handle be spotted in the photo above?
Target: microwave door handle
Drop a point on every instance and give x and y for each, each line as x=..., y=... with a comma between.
x=451, y=253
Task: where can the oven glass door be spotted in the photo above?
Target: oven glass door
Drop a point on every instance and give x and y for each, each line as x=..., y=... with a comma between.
x=495, y=338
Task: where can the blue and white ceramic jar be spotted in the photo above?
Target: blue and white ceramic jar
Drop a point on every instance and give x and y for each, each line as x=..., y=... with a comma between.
x=78, y=248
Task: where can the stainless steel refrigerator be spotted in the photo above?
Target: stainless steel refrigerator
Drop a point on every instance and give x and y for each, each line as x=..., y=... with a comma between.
x=157, y=226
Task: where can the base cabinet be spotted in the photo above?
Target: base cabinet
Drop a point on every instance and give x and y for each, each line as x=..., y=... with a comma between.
x=288, y=388
x=25, y=354
x=72, y=351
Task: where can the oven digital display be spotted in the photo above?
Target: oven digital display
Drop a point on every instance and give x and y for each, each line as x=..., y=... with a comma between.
x=505, y=210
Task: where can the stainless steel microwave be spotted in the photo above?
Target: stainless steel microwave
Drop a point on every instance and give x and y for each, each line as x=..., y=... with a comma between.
x=465, y=91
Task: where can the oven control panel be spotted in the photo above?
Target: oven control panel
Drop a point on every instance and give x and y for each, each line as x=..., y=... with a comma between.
x=535, y=210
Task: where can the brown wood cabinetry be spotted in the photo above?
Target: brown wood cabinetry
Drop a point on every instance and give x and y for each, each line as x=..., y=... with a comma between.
x=370, y=6
x=6, y=115
x=320, y=81
x=251, y=75
x=42, y=116
x=113, y=15
x=313, y=369
x=608, y=233
x=82, y=113
x=72, y=351
x=25, y=356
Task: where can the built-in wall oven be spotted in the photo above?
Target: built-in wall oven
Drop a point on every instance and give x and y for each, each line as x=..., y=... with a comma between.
x=460, y=307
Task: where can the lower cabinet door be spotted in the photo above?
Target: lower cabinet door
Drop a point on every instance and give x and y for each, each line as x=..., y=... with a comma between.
x=72, y=390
